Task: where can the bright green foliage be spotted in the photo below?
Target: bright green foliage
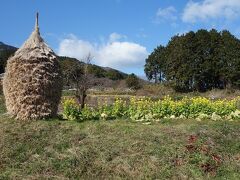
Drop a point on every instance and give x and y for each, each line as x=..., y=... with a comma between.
x=88, y=113
x=119, y=108
x=70, y=109
x=145, y=109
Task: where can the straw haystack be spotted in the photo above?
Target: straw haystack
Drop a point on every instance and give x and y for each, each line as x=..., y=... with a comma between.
x=32, y=82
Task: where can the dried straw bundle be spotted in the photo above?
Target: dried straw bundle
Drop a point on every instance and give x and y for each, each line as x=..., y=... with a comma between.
x=32, y=82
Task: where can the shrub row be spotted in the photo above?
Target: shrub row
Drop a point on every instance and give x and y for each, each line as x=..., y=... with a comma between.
x=145, y=109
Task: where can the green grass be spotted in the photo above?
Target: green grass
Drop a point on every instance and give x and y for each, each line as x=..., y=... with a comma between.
x=121, y=149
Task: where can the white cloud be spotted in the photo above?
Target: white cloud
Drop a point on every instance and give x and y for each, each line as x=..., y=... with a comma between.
x=74, y=47
x=168, y=13
x=121, y=54
x=116, y=53
x=211, y=9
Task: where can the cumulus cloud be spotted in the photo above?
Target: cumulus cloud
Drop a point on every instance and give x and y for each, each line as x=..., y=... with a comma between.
x=74, y=47
x=211, y=9
x=116, y=53
x=121, y=54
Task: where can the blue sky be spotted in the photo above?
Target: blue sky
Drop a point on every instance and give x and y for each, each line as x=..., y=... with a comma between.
x=118, y=33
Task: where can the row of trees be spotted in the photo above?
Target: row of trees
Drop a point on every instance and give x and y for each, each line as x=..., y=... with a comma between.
x=200, y=61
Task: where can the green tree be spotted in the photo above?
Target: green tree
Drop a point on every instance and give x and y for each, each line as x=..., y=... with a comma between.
x=200, y=61
x=178, y=68
x=154, y=65
x=132, y=82
x=231, y=59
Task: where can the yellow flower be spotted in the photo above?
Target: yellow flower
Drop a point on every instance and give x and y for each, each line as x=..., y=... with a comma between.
x=104, y=116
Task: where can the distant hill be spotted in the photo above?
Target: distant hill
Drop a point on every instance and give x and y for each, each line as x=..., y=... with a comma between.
x=4, y=47
x=98, y=71
x=103, y=75
x=106, y=74
x=5, y=52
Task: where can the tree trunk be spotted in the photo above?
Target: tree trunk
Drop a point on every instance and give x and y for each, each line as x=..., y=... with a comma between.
x=155, y=77
x=83, y=98
x=160, y=78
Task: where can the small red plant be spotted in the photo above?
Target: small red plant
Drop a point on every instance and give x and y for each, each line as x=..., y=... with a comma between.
x=191, y=148
x=217, y=159
x=209, y=168
x=192, y=139
x=204, y=149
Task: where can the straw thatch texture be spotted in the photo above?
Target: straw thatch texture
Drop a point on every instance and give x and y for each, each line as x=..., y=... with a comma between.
x=32, y=82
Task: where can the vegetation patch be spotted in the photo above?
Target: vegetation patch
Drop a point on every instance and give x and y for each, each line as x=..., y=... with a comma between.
x=147, y=110
x=119, y=149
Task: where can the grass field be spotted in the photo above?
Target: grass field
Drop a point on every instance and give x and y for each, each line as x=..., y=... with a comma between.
x=120, y=149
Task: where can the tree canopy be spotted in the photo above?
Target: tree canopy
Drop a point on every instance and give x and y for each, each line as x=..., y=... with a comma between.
x=132, y=81
x=154, y=65
x=200, y=61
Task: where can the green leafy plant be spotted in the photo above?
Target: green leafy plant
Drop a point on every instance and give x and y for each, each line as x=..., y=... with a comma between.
x=146, y=109
x=70, y=109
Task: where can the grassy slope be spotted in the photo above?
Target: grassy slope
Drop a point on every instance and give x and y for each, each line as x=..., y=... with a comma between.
x=119, y=149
